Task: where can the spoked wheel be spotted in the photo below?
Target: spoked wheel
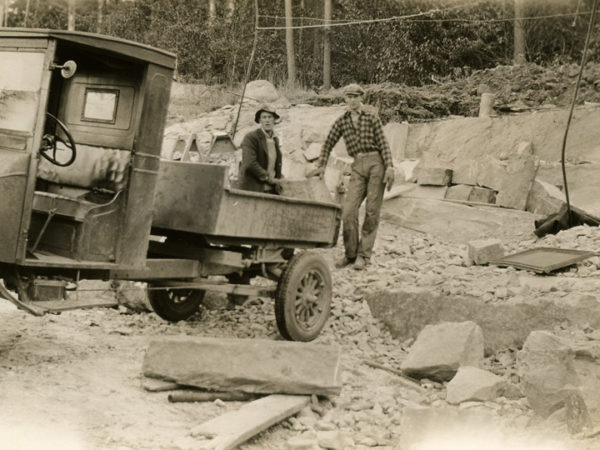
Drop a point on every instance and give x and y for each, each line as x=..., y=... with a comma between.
x=175, y=304
x=303, y=298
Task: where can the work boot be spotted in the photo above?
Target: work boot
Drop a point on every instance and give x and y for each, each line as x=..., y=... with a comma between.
x=343, y=262
x=360, y=263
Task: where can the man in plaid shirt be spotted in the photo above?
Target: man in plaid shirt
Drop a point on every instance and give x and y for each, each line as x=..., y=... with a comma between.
x=372, y=170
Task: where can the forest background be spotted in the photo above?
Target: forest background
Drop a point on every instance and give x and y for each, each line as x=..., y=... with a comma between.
x=441, y=39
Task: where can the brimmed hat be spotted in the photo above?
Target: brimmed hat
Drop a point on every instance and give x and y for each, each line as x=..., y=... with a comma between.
x=354, y=89
x=265, y=108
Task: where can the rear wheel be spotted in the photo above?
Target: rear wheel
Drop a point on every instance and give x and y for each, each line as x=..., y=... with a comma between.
x=303, y=298
x=175, y=304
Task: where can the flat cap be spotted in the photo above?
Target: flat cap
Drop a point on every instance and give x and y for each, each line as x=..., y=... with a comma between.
x=265, y=108
x=354, y=89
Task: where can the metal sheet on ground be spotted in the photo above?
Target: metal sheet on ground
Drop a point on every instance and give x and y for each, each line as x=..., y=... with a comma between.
x=544, y=259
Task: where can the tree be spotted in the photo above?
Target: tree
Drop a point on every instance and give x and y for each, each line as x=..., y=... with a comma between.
x=519, y=31
x=100, y=16
x=289, y=43
x=71, y=14
x=230, y=8
x=212, y=12
x=327, y=47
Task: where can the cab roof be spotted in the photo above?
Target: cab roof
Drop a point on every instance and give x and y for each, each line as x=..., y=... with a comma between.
x=120, y=46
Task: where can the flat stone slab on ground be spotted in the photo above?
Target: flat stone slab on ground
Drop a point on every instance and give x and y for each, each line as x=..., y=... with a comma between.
x=247, y=365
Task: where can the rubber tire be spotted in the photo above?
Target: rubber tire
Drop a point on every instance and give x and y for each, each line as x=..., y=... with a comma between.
x=165, y=307
x=285, y=297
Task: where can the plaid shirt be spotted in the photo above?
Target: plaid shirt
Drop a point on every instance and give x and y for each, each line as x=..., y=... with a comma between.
x=368, y=137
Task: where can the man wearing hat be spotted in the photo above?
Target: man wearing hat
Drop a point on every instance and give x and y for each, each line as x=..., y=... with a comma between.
x=372, y=170
x=261, y=155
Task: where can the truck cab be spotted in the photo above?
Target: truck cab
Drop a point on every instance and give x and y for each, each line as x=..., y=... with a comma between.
x=81, y=125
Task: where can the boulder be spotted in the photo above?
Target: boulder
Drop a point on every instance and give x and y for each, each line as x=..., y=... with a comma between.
x=245, y=365
x=482, y=251
x=472, y=383
x=544, y=198
x=546, y=367
x=261, y=91
x=313, y=151
x=441, y=349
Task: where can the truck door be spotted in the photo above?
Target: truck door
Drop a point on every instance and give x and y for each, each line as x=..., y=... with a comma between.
x=24, y=81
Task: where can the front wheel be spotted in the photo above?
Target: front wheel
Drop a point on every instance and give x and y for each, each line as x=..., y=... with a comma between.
x=303, y=297
x=175, y=304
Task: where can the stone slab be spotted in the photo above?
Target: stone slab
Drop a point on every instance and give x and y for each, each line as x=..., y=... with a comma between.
x=245, y=365
x=460, y=192
x=433, y=176
x=482, y=195
x=406, y=311
x=483, y=251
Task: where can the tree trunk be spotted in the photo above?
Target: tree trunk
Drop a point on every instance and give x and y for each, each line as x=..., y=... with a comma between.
x=519, y=29
x=100, y=16
x=327, y=46
x=26, y=14
x=289, y=43
x=230, y=8
x=71, y=17
x=2, y=8
x=212, y=12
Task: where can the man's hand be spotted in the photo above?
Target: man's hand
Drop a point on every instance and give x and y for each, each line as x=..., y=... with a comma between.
x=316, y=172
x=388, y=178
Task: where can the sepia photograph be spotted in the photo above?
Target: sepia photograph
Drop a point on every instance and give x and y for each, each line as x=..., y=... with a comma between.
x=299, y=224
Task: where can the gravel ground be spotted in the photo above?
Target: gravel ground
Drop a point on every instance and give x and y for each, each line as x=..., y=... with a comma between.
x=73, y=380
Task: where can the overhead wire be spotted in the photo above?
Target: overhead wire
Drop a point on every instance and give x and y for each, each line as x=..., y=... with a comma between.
x=412, y=18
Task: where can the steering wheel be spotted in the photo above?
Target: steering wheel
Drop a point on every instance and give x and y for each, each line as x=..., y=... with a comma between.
x=50, y=141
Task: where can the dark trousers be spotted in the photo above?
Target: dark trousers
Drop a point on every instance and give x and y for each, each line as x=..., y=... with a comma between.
x=366, y=182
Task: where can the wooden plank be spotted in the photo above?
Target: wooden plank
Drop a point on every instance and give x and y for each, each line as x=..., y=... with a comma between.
x=235, y=427
x=67, y=305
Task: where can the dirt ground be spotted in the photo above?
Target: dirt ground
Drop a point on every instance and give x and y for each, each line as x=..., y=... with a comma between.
x=73, y=381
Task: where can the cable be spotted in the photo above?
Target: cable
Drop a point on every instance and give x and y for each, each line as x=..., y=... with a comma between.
x=564, y=143
x=385, y=19
x=410, y=18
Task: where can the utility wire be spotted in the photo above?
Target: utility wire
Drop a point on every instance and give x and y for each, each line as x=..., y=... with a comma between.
x=411, y=18
x=564, y=143
x=357, y=22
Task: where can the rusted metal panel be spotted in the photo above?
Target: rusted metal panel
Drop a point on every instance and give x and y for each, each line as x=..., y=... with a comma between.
x=544, y=259
x=196, y=198
x=188, y=196
x=133, y=244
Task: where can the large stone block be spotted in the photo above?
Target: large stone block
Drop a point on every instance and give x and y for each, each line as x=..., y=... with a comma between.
x=544, y=198
x=465, y=171
x=473, y=383
x=441, y=349
x=546, y=368
x=252, y=365
x=433, y=176
x=483, y=251
x=491, y=172
x=516, y=184
x=460, y=192
x=261, y=91
x=482, y=195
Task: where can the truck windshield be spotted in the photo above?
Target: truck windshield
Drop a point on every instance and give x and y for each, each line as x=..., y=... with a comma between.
x=20, y=83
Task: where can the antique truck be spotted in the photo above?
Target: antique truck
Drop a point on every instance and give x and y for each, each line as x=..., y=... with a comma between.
x=84, y=193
